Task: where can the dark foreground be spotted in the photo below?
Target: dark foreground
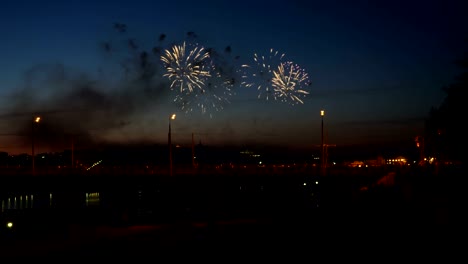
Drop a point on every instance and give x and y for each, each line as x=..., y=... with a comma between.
x=394, y=215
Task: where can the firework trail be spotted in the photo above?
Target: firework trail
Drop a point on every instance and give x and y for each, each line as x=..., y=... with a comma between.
x=260, y=73
x=187, y=69
x=207, y=101
x=213, y=97
x=289, y=82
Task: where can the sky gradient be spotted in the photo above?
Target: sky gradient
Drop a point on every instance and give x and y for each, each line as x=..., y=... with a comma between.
x=375, y=69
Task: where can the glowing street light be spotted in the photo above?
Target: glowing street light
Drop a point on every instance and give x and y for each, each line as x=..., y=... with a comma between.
x=35, y=120
x=172, y=117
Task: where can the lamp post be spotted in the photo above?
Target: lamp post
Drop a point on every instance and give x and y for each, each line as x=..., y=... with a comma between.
x=322, y=159
x=35, y=120
x=72, y=152
x=172, y=117
x=193, y=152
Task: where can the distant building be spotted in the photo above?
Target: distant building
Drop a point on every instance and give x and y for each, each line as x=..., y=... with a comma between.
x=400, y=160
x=379, y=161
x=357, y=164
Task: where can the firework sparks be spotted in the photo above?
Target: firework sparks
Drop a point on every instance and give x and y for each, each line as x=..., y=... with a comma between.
x=218, y=86
x=260, y=73
x=186, y=69
x=288, y=83
x=211, y=99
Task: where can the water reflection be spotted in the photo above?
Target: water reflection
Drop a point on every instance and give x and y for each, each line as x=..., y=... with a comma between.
x=159, y=202
x=92, y=199
x=20, y=202
x=25, y=202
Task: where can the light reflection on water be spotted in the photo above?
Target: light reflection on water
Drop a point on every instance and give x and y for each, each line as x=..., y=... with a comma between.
x=26, y=201
x=23, y=201
x=92, y=199
x=157, y=202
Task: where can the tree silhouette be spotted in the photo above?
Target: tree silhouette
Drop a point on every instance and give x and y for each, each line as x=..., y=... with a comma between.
x=446, y=131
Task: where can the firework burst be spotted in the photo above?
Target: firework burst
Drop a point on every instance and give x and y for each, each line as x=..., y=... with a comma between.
x=212, y=98
x=261, y=73
x=186, y=69
x=218, y=87
x=289, y=82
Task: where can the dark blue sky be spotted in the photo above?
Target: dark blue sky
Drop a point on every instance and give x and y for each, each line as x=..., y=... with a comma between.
x=376, y=69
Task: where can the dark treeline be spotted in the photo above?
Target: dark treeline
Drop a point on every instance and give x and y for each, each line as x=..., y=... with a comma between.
x=445, y=129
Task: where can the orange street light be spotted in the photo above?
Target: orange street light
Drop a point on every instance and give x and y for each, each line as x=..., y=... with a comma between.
x=36, y=119
x=172, y=117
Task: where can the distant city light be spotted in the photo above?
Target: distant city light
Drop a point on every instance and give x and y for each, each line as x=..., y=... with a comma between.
x=95, y=164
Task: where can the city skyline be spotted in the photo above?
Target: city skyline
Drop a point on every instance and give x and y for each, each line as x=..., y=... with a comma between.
x=95, y=72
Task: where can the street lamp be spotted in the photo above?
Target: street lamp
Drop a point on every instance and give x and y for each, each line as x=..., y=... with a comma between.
x=322, y=113
x=172, y=117
x=72, y=151
x=36, y=119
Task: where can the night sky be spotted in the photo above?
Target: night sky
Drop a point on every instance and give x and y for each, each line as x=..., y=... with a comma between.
x=93, y=69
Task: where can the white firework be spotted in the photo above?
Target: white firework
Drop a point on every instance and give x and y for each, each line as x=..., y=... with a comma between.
x=186, y=69
x=213, y=98
x=218, y=87
x=260, y=74
x=289, y=82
